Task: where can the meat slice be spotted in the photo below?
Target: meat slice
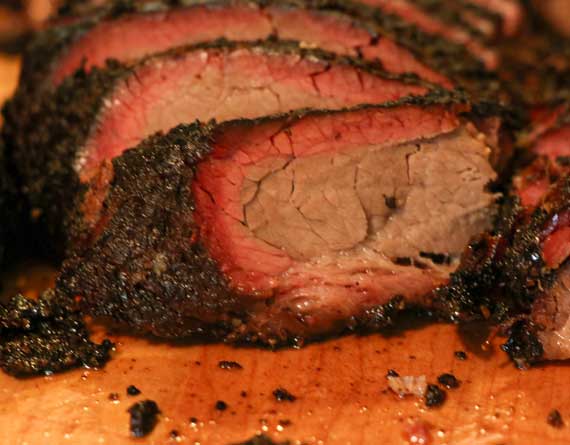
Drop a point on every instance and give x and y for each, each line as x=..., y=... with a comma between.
x=127, y=31
x=543, y=333
x=94, y=117
x=457, y=22
x=510, y=11
x=285, y=228
x=520, y=272
x=138, y=29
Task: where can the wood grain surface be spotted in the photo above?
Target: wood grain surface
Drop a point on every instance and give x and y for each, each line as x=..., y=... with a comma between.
x=340, y=385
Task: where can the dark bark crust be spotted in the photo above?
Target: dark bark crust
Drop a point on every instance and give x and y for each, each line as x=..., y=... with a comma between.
x=46, y=140
x=11, y=213
x=46, y=336
x=145, y=267
x=503, y=272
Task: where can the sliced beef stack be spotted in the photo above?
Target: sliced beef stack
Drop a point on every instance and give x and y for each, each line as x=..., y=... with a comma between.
x=459, y=22
x=93, y=117
x=127, y=31
x=288, y=227
x=353, y=200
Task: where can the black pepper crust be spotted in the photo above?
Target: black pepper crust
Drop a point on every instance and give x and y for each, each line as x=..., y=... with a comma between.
x=14, y=232
x=46, y=141
x=145, y=266
x=503, y=272
x=46, y=336
x=523, y=345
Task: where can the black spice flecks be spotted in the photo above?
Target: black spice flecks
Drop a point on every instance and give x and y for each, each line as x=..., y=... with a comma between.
x=225, y=364
x=113, y=397
x=392, y=373
x=449, y=381
x=262, y=439
x=132, y=390
x=460, y=355
x=46, y=336
x=554, y=419
x=434, y=396
x=523, y=346
x=282, y=395
x=221, y=405
x=144, y=416
x=391, y=202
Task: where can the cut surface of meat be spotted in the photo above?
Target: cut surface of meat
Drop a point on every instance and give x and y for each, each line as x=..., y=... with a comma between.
x=288, y=227
x=117, y=35
x=551, y=317
x=226, y=82
x=519, y=271
x=113, y=109
x=511, y=12
x=446, y=19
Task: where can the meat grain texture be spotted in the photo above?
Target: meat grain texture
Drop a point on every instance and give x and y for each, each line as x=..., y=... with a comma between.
x=90, y=118
x=286, y=228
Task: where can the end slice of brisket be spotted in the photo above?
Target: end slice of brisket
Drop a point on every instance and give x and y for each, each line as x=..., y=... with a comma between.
x=94, y=117
x=520, y=271
x=289, y=227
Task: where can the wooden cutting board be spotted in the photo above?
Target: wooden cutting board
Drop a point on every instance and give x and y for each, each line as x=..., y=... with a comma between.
x=340, y=385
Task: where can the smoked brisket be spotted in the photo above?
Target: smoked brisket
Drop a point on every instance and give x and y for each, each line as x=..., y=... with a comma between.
x=285, y=228
x=94, y=116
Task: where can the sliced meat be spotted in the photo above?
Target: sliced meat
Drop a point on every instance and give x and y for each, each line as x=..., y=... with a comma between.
x=519, y=272
x=552, y=135
x=346, y=29
x=544, y=331
x=94, y=117
x=288, y=227
x=510, y=11
x=461, y=23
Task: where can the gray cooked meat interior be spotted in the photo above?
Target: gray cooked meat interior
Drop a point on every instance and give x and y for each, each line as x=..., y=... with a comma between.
x=427, y=196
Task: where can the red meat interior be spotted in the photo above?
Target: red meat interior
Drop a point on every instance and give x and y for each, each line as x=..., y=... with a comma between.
x=134, y=36
x=432, y=25
x=224, y=84
x=320, y=212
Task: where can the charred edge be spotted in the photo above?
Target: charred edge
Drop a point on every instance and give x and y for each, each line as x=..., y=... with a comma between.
x=512, y=117
x=44, y=134
x=160, y=170
x=503, y=271
x=523, y=346
x=489, y=266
